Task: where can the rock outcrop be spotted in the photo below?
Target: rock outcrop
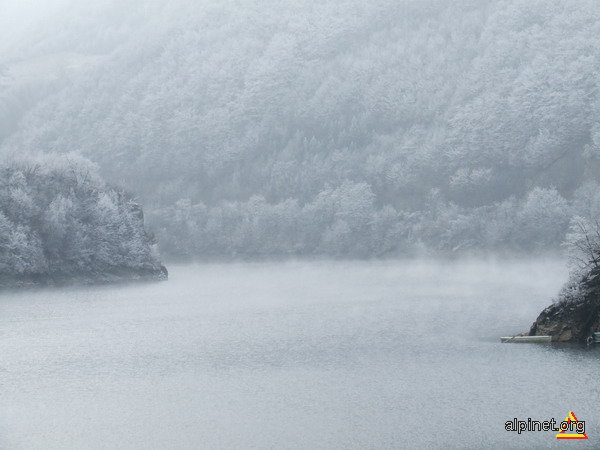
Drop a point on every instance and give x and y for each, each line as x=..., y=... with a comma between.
x=577, y=313
x=110, y=276
x=61, y=224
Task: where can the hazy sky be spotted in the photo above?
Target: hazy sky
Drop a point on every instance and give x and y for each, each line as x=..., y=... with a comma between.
x=19, y=17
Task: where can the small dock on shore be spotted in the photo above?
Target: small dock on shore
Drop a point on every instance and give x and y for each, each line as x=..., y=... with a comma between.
x=527, y=339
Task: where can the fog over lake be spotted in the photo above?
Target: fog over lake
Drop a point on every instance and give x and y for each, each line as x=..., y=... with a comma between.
x=292, y=355
x=298, y=224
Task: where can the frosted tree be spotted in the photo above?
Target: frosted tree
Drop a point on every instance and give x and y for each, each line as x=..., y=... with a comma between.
x=492, y=104
x=583, y=243
x=58, y=220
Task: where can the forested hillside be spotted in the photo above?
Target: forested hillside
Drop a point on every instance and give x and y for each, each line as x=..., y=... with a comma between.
x=59, y=222
x=336, y=127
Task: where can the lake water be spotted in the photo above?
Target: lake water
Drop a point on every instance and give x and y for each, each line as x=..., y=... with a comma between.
x=393, y=354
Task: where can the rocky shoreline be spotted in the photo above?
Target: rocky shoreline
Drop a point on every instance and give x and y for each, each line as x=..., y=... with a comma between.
x=116, y=275
x=576, y=316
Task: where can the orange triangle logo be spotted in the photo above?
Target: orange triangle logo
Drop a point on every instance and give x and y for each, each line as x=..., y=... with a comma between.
x=570, y=421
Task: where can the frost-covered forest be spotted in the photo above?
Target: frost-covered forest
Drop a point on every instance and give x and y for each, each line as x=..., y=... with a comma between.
x=58, y=220
x=344, y=128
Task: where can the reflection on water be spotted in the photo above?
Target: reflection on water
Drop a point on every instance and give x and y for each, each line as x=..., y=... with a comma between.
x=302, y=355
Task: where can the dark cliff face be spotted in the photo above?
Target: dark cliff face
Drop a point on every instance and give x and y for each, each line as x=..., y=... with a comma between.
x=572, y=319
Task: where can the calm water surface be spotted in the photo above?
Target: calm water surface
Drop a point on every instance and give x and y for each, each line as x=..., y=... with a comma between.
x=292, y=355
